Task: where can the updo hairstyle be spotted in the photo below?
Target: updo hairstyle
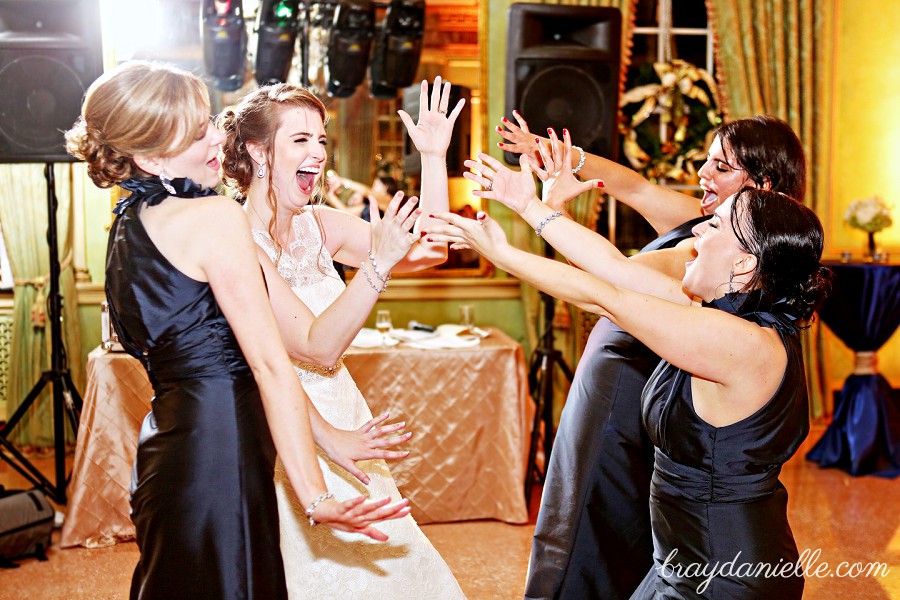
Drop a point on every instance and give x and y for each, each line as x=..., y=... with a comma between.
x=137, y=108
x=786, y=238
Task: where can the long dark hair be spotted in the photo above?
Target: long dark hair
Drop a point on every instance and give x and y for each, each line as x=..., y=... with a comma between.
x=769, y=151
x=786, y=238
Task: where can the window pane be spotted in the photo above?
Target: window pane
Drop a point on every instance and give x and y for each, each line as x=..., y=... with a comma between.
x=689, y=13
x=643, y=54
x=691, y=48
x=646, y=13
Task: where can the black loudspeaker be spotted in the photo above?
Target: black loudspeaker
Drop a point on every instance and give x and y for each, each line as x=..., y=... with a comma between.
x=224, y=38
x=461, y=142
x=50, y=53
x=276, y=31
x=562, y=71
x=397, y=48
x=349, y=46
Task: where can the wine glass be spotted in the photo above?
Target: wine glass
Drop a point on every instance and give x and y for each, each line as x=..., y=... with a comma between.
x=383, y=324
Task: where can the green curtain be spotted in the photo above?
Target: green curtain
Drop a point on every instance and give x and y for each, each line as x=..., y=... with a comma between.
x=776, y=57
x=23, y=217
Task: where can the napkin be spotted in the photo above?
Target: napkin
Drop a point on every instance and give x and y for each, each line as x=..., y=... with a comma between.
x=444, y=341
x=371, y=338
x=412, y=335
x=449, y=330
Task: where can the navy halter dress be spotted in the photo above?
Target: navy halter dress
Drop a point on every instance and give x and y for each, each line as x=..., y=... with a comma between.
x=203, y=502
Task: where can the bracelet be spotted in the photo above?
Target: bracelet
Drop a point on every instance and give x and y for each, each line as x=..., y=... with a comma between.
x=384, y=280
x=315, y=503
x=362, y=267
x=580, y=162
x=546, y=220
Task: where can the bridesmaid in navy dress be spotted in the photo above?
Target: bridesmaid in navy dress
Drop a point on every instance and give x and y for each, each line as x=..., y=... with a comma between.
x=188, y=300
x=727, y=406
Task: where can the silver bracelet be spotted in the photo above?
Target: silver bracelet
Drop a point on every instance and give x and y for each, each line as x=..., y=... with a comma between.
x=315, y=503
x=546, y=220
x=385, y=279
x=362, y=267
x=580, y=162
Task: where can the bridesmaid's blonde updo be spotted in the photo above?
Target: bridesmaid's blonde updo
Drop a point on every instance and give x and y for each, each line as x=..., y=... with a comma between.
x=138, y=108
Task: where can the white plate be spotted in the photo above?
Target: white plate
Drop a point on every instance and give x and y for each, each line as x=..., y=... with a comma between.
x=412, y=335
x=442, y=341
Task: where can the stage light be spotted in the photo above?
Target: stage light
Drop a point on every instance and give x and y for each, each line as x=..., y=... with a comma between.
x=277, y=24
x=349, y=46
x=224, y=38
x=397, y=48
x=320, y=19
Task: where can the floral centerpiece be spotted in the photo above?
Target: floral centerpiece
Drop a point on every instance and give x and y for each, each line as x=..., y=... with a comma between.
x=871, y=215
x=683, y=97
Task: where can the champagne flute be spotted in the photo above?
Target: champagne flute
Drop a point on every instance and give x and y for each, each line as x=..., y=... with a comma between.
x=383, y=324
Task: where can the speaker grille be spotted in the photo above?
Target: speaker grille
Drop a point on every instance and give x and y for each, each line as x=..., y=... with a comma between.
x=37, y=104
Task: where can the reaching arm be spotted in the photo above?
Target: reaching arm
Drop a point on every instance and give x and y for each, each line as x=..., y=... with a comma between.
x=225, y=254
x=663, y=208
x=699, y=340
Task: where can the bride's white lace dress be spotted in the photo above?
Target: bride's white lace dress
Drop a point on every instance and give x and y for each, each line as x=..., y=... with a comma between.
x=319, y=562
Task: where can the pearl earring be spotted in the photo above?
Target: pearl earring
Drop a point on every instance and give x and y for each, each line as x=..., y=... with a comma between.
x=262, y=171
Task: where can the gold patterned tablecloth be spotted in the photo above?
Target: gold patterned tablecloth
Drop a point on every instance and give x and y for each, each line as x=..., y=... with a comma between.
x=468, y=408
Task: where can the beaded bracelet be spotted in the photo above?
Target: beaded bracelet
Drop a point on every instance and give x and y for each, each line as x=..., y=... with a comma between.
x=546, y=220
x=362, y=267
x=580, y=162
x=315, y=503
x=384, y=280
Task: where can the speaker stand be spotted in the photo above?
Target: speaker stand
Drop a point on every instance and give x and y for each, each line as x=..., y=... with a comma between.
x=66, y=400
x=544, y=360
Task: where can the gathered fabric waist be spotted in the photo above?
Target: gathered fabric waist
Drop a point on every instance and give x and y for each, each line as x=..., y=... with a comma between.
x=199, y=362
x=676, y=480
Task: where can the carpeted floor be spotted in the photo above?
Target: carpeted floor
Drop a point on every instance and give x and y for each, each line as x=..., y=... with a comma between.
x=852, y=520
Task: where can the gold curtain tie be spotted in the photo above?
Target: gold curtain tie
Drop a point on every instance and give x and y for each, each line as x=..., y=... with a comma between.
x=866, y=363
x=39, y=306
x=323, y=371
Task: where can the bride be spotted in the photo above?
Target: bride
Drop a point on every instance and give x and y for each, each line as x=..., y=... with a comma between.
x=275, y=155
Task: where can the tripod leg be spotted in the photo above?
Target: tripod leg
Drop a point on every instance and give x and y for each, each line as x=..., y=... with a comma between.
x=46, y=377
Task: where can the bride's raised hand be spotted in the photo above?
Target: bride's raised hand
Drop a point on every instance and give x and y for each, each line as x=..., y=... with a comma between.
x=482, y=234
x=434, y=127
x=358, y=514
x=518, y=138
x=514, y=189
x=560, y=184
x=370, y=441
x=391, y=237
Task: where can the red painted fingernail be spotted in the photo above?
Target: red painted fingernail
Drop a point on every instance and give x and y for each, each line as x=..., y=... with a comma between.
x=565, y=132
x=537, y=140
x=499, y=129
x=499, y=144
x=432, y=216
x=423, y=234
x=601, y=184
x=549, y=131
x=515, y=112
x=429, y=240
x=505, y=120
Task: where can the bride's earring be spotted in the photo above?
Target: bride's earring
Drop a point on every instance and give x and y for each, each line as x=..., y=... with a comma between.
x=262, y=171
x=166, y=183
x=731, y=282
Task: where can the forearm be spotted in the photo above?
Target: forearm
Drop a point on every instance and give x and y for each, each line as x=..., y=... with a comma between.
x=434, y=197
x=663, y=208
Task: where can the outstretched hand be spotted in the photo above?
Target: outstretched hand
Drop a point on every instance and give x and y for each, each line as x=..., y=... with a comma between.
x=560, y=184
x=372, y=440
x=482, y=234
x=514, y=189
x=358, y=514
x=431, y=133
x=518, y=138
x=391, y=237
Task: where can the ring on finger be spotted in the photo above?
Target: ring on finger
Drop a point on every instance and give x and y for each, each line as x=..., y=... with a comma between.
x=489, y=186
x=443, y=111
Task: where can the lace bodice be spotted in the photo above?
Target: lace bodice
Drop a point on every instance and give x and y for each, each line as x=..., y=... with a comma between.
x=306, y=265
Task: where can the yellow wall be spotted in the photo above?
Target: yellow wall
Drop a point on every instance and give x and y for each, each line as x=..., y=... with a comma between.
x=866, y=154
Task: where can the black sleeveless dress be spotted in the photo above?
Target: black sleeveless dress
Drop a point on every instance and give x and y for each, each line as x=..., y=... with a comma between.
x=716, y=502
x=592, y=538
x=203, y=499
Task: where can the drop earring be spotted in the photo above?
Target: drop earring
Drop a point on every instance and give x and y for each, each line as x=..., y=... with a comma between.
x=262, y=171
x=731, y=282
x=166, y=183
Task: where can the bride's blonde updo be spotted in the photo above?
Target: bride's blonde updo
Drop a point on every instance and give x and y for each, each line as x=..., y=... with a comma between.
x=138, y=108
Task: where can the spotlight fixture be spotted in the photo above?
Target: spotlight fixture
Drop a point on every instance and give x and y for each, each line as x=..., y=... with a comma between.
x=397, y=48
x=276, y=32
x=349, y=46
x=224, y=42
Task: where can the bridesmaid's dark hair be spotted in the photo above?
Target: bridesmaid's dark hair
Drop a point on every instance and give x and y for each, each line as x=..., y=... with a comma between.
x=786, y=238
x=769, y=151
